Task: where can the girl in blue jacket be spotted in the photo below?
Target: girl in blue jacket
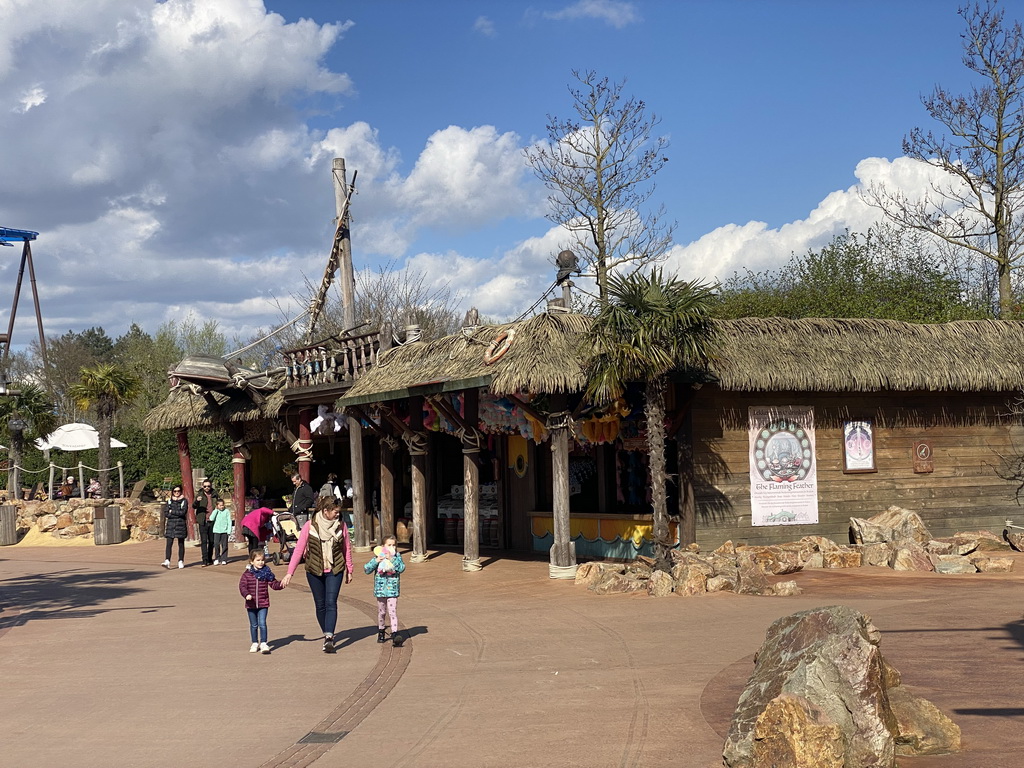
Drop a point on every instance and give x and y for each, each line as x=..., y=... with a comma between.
x=386, y=567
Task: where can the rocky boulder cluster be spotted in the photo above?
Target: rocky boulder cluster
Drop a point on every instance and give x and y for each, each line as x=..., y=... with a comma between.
x=896, y=538
x=73, y=518
x=823, y=696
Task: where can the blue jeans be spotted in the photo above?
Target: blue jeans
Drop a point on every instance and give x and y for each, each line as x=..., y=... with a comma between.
x=325, y=589
x=257, y=620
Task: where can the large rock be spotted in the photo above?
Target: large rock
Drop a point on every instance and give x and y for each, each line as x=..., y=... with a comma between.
x=842, y=558
x=923, y=729
x=786, y=589
x=867, y=532
x=660, y=584
x=587, y=573
x=751, y=579
x=829, y=657
x=1015, y=540
x=612, y=583
x=876, y=554
x=721, y=584
x=904, y=524
x=910, y=556
x=991, y=564
x=691, y=579
x=47, y=523
x=775, y=560
x=986, y=540
x=823, y=696
x=953, y=564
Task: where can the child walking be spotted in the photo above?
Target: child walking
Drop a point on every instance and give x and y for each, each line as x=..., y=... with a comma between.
x=221, y=518
x=255, y=585
x=386, y=567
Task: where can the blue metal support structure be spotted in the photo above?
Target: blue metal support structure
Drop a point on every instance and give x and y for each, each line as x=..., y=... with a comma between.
x=25, y=236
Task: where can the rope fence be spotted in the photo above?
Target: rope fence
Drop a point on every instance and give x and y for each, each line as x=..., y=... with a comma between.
x=16, y=471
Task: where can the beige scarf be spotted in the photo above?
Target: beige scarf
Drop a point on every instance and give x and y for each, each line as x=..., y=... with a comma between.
x=326, y=531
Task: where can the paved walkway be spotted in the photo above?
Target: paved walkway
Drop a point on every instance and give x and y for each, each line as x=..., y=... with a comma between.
x=108, y=659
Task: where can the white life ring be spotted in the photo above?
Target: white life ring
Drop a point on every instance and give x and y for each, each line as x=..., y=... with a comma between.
x=499, y=346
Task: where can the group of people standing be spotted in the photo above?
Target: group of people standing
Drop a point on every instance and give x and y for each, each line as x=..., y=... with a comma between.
x=324, y=547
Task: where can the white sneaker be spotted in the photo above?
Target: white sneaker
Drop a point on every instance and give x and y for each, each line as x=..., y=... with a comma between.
x=264, y=648
x=254, y=647
x=216, y=562
x=166, y=563
x=181, y=563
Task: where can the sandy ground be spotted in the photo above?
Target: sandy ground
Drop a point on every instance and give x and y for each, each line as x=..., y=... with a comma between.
x=36, y=538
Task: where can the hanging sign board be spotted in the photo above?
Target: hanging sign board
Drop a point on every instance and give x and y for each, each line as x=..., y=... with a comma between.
x=783, y=476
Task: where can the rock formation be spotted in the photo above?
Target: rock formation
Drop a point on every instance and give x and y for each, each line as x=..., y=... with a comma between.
x=822, y=696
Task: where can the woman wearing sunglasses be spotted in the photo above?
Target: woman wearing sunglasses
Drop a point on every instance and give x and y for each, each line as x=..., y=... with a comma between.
x=176, y=526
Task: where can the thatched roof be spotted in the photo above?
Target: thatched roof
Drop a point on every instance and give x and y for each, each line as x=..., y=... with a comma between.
x=185, y=409
x=865, y=355
x=545, y=356
x=756, y=354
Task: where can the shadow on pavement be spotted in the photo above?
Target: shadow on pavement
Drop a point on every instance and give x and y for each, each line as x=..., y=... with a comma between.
x=66, y=594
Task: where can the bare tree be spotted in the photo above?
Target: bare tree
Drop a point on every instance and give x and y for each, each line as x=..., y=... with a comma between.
x=386, y=296
x=599, y=167
x=979, y=204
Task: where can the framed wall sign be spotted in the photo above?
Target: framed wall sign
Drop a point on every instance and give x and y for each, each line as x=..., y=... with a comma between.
x=858, y=447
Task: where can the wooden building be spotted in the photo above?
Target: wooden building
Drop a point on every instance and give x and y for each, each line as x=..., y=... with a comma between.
x=481, y=440
x=938, y=399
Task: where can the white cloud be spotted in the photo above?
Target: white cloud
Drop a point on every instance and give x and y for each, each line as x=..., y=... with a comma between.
x=32, y=97
x=615, y=13
x=484, y=26
x=754, y=246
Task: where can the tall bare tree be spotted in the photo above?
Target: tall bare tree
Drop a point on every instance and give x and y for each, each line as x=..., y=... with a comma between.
x=599, y=167
x=979, y=205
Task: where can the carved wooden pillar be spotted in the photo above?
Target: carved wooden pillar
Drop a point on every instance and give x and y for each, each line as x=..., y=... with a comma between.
x=472, y=442
x=304, y=445
x=416, y=441
x=360, y=534
x=563, y=551
x=185, y=462
x=388, y=447
x=239, y=456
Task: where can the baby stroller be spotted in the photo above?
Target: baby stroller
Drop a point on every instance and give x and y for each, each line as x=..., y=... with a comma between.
x=286, y=531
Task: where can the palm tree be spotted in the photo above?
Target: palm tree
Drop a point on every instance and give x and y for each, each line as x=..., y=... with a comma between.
x=105, y=388
x=651, y=325
x=27, y=408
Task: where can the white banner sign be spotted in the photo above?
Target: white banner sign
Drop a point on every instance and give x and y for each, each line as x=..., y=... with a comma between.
x=783, y=477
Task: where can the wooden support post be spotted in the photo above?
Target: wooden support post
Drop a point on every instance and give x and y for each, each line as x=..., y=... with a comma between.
x=185, y=462
x=471, y=444
x=563, y=552
x=387, y=487
x=81, y=480
x=360, y=535
x=304, y=445
x=684, y=466
x=418, y=452
x=239, y=455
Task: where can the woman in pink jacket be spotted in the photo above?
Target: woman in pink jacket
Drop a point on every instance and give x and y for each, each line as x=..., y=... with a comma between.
x=324, y=541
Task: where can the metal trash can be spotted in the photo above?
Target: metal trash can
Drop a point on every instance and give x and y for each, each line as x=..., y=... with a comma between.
x=8, y=525
x=106, y=525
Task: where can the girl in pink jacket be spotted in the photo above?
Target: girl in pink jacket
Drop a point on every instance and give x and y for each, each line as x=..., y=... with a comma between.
x=255, y=585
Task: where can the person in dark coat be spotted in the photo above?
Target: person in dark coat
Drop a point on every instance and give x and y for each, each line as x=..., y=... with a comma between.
x=203, y=504
x=176, y=526
x=304, y=497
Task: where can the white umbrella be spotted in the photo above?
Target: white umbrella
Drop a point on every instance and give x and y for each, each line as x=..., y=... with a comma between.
x=74, y=437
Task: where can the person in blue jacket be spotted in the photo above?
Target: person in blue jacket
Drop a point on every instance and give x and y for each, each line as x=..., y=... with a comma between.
x=386, y=567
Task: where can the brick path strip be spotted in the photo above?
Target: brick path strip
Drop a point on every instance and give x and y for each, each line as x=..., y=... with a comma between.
x=344, y=718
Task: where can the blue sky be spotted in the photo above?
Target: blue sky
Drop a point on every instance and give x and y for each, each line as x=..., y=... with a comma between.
x=175, y=156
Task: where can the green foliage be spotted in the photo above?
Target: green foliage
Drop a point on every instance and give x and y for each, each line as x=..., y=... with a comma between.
x=885, y=273
x=651, y=325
